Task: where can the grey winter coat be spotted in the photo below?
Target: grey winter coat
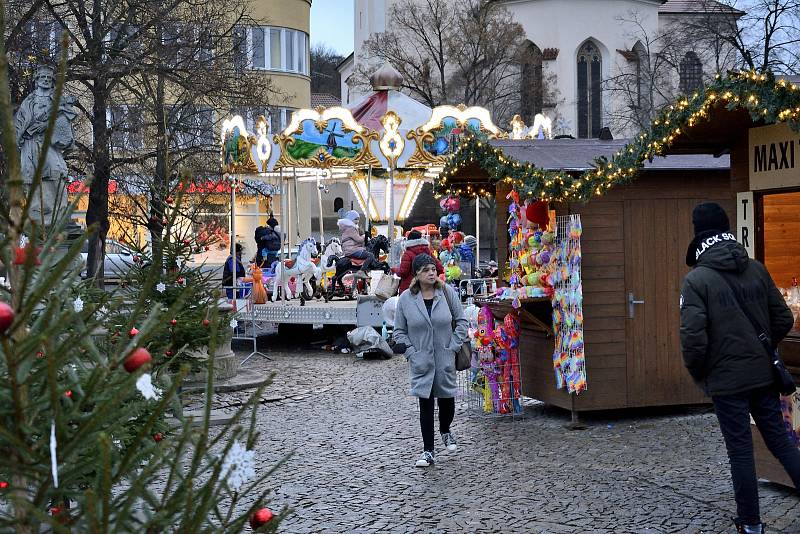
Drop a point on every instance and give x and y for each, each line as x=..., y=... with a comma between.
x=431, y=341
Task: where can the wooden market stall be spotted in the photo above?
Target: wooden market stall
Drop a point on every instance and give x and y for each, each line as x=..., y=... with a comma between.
x=634, y=242
x=636, y=212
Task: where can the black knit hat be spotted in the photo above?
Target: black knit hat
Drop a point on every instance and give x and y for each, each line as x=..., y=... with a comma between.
x=414, y=234
x=420, y=261
x=709, y=216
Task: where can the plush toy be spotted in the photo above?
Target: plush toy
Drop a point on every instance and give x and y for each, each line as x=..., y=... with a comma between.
x=259, y=291
x=452, y=271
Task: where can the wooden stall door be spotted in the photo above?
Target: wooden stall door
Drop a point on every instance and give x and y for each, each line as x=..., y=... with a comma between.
x=657, y=232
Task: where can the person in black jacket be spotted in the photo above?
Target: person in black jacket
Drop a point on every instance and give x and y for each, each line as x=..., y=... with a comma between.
x=725, y=357
x=268, y=244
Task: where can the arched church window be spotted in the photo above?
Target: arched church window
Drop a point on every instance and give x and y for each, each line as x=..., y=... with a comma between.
x=531, y=82
x=590, y=105
x=338, y=203
x=691, y=73
x=642, y=75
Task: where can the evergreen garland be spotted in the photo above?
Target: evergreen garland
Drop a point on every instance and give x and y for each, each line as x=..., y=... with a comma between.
x=768, y=100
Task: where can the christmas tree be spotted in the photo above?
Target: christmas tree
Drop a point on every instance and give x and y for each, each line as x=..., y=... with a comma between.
x=87, y=382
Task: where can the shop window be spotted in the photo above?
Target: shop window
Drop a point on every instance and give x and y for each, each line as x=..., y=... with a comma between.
x=589, y=90
x=531, y=83
x=691, y=73
x=781, y=225
x=338, y=203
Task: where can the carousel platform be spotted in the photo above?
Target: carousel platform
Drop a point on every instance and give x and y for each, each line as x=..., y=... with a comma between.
x=366, y=311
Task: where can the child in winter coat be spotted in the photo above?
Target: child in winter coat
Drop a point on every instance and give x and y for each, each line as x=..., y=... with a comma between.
x=414, y=246
x=353, y=240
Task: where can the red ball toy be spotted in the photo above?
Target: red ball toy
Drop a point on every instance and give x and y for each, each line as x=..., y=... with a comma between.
x=261, y=517
x=137, y=358
x=6, y=317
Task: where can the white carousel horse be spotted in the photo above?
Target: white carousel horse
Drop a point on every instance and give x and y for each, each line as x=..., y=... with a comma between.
x=327, y=268
x=302, y=268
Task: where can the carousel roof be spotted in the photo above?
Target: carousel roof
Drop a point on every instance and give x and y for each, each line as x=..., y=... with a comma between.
x=386, y=96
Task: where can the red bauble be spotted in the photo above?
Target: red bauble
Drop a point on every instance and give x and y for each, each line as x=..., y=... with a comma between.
x=133, y=332
x=206, y=323
x=136, y=259
x=186, y=242
x=6, y=317
x=137, y=358
x=20, y=254
x=163, y=222
x=206, y=248
x=168, y=354
x=173, y=322
x=3, y=484
x=55, y=510
x=181, y=280
x=261, y=517
x=68, y=393
x=158, y=436
x=39, y=354
x=168, y=200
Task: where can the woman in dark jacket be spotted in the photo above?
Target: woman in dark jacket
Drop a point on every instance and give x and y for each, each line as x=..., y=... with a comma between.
x=414, y=246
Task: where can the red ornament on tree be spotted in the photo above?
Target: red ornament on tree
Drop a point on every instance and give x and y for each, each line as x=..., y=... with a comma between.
x=206, y=323
x=181, y=280
x=39, y=354
x=158, y=436
x=173, y=322
x=186, y=242
x=168, y=354
x=206, y=248
x=3, y=484
x=20, y=253
x=6, y=317
x=133, y=332
x=68, y=393
x=261, y=517
x=168, y=200
x=137, y=358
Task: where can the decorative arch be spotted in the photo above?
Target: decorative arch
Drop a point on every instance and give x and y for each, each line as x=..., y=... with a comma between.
x=531, y=91
x=589, y=64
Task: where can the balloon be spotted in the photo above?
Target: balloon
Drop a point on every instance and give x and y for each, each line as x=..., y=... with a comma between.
x=443, y=221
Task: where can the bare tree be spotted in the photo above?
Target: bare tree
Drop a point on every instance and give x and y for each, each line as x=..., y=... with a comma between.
x=448, y=52
x=324, y=76
x=145, y=73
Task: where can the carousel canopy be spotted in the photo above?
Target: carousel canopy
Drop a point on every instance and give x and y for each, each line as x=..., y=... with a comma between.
x=386, y=96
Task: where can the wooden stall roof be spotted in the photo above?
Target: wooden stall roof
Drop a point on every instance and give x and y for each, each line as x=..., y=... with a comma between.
x=578, y=155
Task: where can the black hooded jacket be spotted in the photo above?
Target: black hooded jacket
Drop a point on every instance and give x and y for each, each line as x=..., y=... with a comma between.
x=720, y=347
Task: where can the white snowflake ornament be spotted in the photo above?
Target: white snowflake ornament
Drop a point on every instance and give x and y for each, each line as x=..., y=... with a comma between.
x=238, y=466
x=234, y=323
x=77, y=304
x=145, y=386
x=160, y=287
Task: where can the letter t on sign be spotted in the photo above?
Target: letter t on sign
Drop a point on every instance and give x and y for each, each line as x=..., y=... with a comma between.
x=745, y=222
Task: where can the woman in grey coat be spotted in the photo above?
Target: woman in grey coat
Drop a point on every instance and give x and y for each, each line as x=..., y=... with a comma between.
x=426, y=315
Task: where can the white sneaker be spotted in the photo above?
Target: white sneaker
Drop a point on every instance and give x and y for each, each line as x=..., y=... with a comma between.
x=425, y=459
x=449, y=441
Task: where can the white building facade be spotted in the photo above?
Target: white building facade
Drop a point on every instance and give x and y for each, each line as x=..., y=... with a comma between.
x=583, y=53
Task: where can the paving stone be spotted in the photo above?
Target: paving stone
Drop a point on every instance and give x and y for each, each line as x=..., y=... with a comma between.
x=355, y=435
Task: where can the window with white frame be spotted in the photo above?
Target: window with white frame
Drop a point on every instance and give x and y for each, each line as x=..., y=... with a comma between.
x=278, y=117
x=127, y=126
x=271, y=48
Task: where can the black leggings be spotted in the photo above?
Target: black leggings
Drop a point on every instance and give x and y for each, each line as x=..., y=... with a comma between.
x=447, y=410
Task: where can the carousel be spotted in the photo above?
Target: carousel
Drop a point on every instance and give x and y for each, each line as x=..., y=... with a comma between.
x=385, y=146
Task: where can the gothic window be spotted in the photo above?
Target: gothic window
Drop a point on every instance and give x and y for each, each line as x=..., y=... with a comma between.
x=691, y=73
x=642, y=62
x=531, y=83
x=338, y=203
x=589, y=90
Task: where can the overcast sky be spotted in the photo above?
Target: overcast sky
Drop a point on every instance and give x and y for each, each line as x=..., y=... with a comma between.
x=332, y=24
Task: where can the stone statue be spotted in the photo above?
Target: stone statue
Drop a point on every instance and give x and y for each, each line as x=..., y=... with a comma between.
x=30, y=123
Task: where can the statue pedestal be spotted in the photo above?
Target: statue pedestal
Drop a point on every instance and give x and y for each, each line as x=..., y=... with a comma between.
x=226, y=363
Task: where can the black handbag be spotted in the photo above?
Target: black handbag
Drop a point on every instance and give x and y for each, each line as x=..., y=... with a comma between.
x=783, y=378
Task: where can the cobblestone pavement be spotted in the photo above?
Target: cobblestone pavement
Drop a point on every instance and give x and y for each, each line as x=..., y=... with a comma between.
x=355, y=435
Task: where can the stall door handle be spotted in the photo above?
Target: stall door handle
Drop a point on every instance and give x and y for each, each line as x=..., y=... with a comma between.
x=632, y=302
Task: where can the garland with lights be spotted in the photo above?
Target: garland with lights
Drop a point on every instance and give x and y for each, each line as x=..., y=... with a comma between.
x=767, y=99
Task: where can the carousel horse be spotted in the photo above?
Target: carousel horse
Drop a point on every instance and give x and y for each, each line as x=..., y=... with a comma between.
x=327, y=269
x=345, y=265
x=302, y=269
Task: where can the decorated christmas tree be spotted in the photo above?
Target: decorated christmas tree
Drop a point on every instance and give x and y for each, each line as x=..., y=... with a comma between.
x=91, y=433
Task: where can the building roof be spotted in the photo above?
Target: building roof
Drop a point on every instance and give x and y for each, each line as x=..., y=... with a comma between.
x=698, y=6
x=579, y=154
x=342, y=63
x=325, y=100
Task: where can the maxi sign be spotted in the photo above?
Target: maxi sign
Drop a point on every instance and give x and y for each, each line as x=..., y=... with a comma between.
x=774, y=157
